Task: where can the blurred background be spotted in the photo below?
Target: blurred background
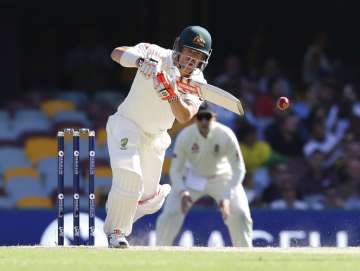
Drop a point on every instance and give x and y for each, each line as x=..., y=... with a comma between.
x=303, y=164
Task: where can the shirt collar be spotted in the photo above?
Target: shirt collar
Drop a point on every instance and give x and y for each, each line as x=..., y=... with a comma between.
x=210, y=134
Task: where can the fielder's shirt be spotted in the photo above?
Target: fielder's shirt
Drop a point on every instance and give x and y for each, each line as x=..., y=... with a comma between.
x=217, y=154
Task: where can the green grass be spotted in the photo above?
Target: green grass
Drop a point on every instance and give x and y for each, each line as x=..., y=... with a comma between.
x=146, y=259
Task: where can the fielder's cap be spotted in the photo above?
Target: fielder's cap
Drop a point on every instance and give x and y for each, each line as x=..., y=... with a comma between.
x=206, y=108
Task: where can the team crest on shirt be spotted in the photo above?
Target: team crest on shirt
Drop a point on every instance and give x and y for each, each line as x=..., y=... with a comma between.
x=216, y=149
x=123, y=143
x=195, y=148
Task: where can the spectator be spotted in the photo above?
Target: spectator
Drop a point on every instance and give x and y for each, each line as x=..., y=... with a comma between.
x=332, y=199
x=248, y=93
x=265, y=102
x=318, y=113
x=349, y=103
x=232, y=76
x=315, y=177
x=289, y=199
x=256, y=153
x=279, y=174
x=284, y=136
x=329, y=94
x=351, y=179
x=327, y=143
x=353, y=200
x=316, y=62
x=353, y=118
x=272, y=70
x=354, y=129
x=302, y=108
x=351, y=150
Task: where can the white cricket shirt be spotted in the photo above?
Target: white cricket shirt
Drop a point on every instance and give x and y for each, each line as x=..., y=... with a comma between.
x=142, y=105
x=217, y=154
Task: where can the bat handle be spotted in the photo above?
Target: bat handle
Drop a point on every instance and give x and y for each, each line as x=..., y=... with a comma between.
x=140, y=60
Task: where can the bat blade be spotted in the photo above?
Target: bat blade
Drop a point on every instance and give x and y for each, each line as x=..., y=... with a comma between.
x=211, y=94
x=222, y=98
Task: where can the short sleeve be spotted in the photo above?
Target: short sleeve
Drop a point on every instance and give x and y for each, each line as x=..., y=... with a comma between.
x=147, y=50
x=141, y=49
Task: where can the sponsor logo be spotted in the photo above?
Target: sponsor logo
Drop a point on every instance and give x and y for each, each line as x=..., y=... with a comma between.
x=195, y=148
x=76, y=153
x=48, y=238
x=61, y=196
x=61, y=153
x=199, y=41
x=92, y=230
x=285, y=238
x=92, y=153
x=61, y=231
x=123, y=143
x=77, y=231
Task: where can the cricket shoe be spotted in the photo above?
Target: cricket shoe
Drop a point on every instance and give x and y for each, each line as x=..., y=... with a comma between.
x=117, y=240
x=154, y=203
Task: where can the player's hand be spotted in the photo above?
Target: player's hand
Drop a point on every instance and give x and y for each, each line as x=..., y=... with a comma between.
x=149, y=67
x=186, y=201
x=224, y=206
x=165, y=86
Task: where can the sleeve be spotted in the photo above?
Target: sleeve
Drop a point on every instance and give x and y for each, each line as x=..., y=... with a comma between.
x=132, y=54
x=235, y=159
x=140, y=50
x=178, y=164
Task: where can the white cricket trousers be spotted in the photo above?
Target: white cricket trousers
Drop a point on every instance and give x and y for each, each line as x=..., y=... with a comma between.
x=239, y=222
x=136, y=160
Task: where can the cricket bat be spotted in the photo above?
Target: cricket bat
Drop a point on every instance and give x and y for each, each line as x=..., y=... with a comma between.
x=212, y=94
x=209, y=93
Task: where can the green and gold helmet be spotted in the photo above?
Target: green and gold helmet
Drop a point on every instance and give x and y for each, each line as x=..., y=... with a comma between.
x=196, y=38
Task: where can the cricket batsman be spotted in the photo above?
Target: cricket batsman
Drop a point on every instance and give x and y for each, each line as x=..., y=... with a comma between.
x=207, y=161
x=137, y=133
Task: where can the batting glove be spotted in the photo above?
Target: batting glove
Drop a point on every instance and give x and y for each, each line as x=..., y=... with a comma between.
x=165, y=86
x=149, y=67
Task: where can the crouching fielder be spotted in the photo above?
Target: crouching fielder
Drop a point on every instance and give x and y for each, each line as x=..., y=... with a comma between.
x=207, y=161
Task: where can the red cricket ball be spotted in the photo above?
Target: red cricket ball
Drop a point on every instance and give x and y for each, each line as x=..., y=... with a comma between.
x=283, y=103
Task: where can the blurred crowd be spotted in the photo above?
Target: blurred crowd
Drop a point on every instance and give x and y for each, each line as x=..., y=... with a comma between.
x=307, y=157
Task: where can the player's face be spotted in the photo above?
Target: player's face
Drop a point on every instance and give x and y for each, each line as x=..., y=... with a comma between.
x=204, y=121
x=189, y=60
